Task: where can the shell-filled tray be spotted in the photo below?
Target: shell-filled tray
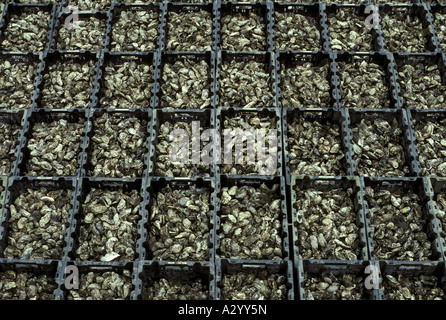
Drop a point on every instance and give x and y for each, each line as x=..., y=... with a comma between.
x=218, y=150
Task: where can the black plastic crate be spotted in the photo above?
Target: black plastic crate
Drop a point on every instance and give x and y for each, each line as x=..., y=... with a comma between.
x=323, y=184
x=90, y=145
x=358, y=13
x=200, y=186
x=322, y=62
x=256, y=182
x=180, y=273
x=195, y=163
x=13, y=9
x=33, y=118
x=437, y=9
x=413, y=271
x=424, y=124
x=84, y=189
x=3, y=186
x=311, y=11
x=16, y=186
x=408, y=167
x=324, y=117
x=259, y=9
x=259, y=157
x=76, y=58
x=414, y=10
x=327, y=268
x=225, y=58
x=429, y=227
x=109, y=89
x=83, y=5
x=437, y=188
x=41, y=268
x=367, y=96
x=164, y=99
x=114, y=15
x=425, y=96
x=12, y=119
x=91, y=32
x=183, y=9
x=115, y=270
x=229, y=267
x=11, y=98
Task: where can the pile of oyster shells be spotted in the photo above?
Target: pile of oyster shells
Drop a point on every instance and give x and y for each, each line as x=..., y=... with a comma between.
x=37, y=223
x=179, y=224
x=174, y=289
x=89, y=35
x=126, y=85
x=402, y=287
x=119, y=145
x=54, y=148
x=398, y=228
x=440, y=24
x=348, y=33
x=377, y=147
x=331, y=287
x=440, y=199
x=245, y=84
x=295, y=31
x=68, y=84
x=305, y=85
x=251, y=285
x=108, y=230
x=84, y=5
x=327, y=227
x=9, y=139
x=258, y=126
x=431, y=146
x=315, y=147
x=363, y=85
x=26, y=31
x=421, y=86
x=243, y=32
x=164, y=148
x=251, y=225
x=135, y=31
x=16, y=84
x=189, y=31
x=186, y=84
x=21, y=285
x=404, y=32
x=107, y=285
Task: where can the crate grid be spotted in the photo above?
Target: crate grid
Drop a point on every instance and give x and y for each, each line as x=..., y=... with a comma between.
x=156, y=59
